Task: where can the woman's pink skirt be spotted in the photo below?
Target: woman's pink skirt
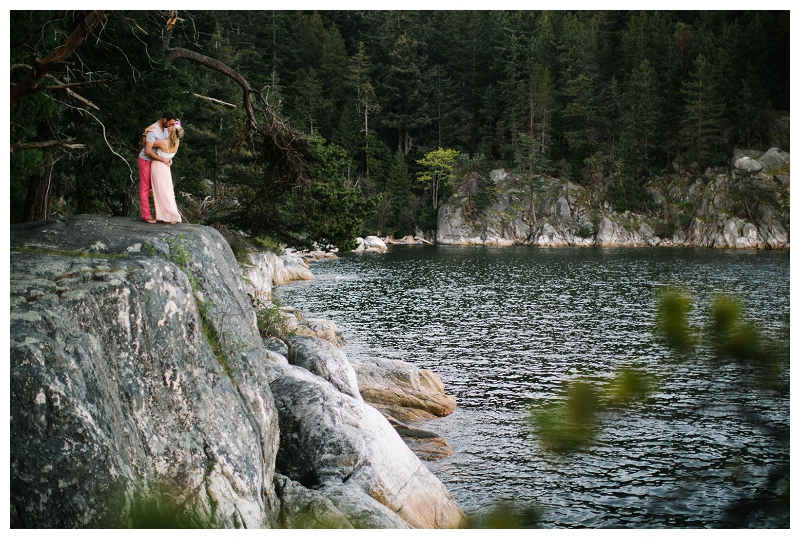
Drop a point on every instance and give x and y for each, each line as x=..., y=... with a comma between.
x=164, y=193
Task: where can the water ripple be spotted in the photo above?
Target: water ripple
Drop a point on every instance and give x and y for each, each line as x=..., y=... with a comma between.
x=505, y=328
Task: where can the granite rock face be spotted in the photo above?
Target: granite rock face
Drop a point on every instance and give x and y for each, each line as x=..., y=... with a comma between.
x=403, y=391
x=688, y=211
x=322, y=358
x=335, y=443
x=120, y=403
x=264, y=270
x=116, y=393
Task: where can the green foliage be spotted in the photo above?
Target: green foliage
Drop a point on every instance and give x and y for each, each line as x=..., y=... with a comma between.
x=731, y=336
x=624, y=192
x=140, y=506
x=398, y=187
x=582, y=118
x=640, y=119
x=748, y=198
x=570, y=424
x=629, y=385
x=240, y=246
x=267, y=243
x=760, y=362
x=702, y=114
x=333, y=213
x=428, y=219
x=149, y=249
x=437, y=173
x=672, y=323
x=584, y=232
x=270, y=319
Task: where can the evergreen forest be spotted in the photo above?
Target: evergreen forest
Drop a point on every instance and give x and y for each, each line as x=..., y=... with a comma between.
x=317, y=127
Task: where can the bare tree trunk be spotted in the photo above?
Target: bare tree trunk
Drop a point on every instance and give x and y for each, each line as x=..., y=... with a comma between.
x=37, y=201
x=366, y=137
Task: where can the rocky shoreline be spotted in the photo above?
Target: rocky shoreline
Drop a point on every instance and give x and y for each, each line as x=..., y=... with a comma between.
x=743, y=206
x=141, y=385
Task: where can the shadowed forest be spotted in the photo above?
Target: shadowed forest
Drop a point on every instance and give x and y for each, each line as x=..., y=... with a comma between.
x=311, y=127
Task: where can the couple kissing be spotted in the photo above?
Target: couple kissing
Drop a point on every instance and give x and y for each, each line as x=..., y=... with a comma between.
x=160, y=143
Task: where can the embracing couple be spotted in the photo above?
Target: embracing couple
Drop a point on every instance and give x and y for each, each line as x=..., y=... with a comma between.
x=160, y=144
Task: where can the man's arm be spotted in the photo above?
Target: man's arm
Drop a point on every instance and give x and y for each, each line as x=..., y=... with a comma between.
x=150, y=152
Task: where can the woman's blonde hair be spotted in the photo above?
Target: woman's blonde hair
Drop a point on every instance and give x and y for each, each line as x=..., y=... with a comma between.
x=174, y=137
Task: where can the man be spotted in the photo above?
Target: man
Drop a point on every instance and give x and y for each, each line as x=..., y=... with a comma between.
x=159, y=130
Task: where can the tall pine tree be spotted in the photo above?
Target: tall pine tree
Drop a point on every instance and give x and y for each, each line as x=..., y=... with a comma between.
x=702, y=115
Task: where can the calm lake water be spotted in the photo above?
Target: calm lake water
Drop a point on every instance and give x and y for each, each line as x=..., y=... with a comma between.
x=506, y=327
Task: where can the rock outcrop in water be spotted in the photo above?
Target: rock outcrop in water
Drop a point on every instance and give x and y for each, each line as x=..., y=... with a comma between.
x=140, y=384
x=743, y=207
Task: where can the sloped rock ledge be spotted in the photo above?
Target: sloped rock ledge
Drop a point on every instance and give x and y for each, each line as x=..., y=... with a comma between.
x=120, y=403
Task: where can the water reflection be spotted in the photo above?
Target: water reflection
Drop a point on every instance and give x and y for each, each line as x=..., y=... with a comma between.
x=505, y=328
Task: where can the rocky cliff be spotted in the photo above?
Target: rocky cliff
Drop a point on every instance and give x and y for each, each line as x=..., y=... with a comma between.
x=143, y=394
x=743, y=206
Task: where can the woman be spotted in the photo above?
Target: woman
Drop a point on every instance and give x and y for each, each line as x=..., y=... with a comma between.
x=161, y=177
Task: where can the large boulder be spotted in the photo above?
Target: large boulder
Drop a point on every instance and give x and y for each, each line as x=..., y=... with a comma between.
x=748, y=164
x=325, y=360
x=332, y=442
x=260, y=273
x=363, y=510
x=263, y=270
x=606, y=233
x=324, y=329
x=117, y=398
x=402, y=390
x=295, y=268
x=370, y=244
x=774, y=157
x=425, y=444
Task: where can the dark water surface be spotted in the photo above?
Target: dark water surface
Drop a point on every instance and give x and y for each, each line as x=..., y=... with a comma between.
x=506, y=327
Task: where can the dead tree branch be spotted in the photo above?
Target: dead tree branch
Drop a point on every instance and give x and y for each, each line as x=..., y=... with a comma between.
x=67, y=85
x=66, y=143
x=30, y=82
x=84, y=111
x=217, y=101
x=282, y=147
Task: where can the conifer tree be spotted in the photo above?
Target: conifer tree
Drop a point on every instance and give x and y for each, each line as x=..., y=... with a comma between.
x=581, y=118
x=398, y=186
x=366, y=102
x=535, y=122
x=405, y=91
x=640, y=116
x=702, y=114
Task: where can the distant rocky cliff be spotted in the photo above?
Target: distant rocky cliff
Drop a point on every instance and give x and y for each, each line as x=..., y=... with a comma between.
x=743, y=206
x=143, y=394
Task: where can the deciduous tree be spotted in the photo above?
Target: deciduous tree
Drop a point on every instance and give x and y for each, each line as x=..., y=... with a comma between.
x=438, y=172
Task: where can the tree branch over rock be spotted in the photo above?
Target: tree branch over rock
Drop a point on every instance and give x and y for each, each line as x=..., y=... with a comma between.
x=281, y=143
x=284, y=153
